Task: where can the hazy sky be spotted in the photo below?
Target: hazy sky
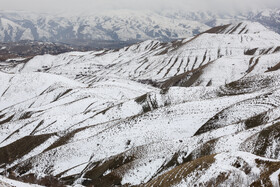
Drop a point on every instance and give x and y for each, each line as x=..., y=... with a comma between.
x=101, y=5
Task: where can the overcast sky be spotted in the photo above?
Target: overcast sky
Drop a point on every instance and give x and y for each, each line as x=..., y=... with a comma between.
x=57, y=6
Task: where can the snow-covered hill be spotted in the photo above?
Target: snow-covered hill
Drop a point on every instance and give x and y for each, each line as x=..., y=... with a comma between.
x=196, y=111
x=122, y=25
x=236, y=49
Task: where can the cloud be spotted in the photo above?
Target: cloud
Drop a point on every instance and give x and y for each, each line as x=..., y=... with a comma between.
x=157, y=5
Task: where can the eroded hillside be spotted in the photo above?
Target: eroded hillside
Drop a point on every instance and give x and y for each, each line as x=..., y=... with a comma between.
x=198, y=111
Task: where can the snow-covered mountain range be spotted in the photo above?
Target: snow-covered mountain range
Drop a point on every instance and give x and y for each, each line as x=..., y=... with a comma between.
x=200, y=111
x=122, y=25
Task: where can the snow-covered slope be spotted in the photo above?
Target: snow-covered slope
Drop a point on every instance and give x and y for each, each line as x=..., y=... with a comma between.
x=5, y=182
x=122, y=25
x=196, y=111
x=237, y=50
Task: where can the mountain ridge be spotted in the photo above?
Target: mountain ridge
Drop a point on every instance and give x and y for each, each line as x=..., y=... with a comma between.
x=121, y=25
